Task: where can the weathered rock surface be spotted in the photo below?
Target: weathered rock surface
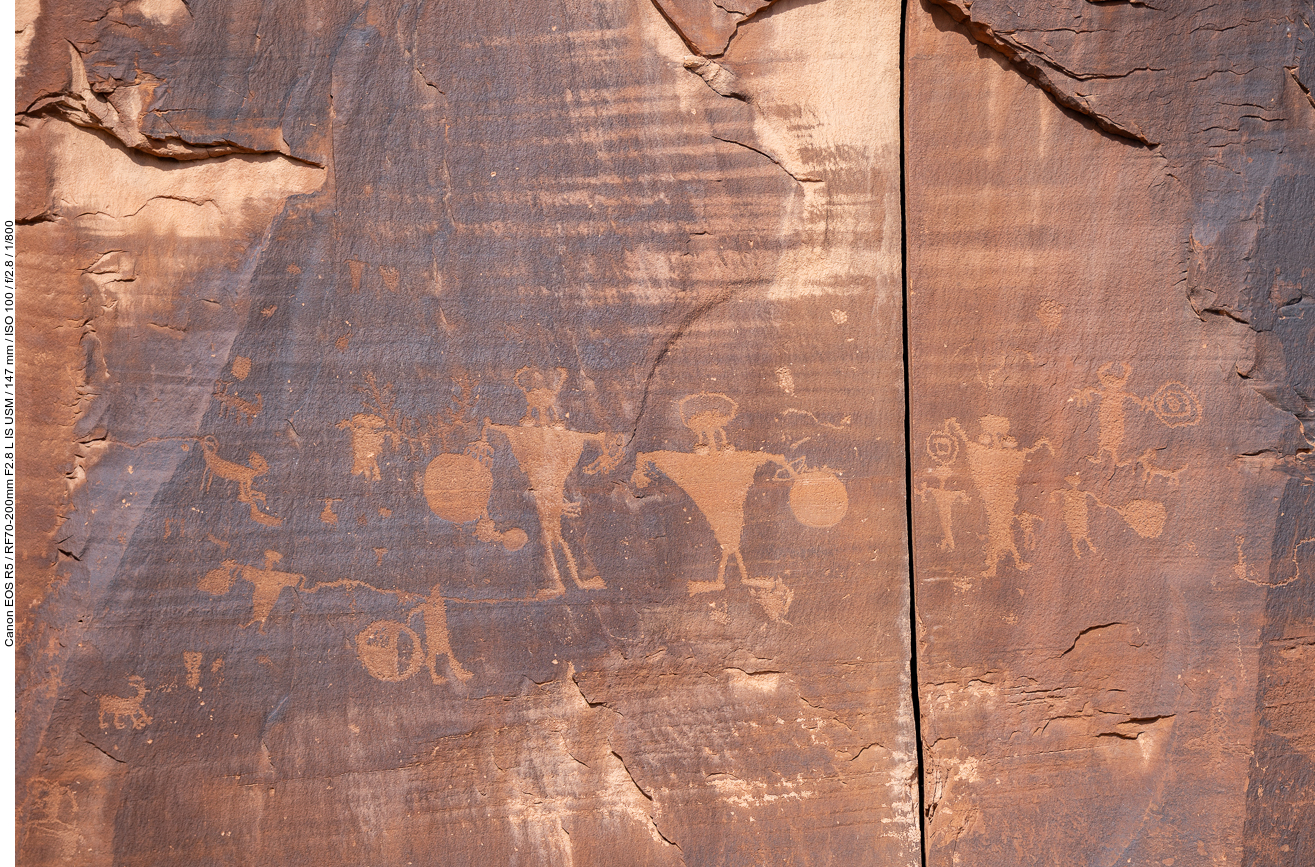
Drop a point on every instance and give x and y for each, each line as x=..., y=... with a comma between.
x=1111, y=527
x=476, y=434
x=479, y=437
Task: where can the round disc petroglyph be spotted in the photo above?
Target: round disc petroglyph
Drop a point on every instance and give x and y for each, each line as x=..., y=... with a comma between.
x=818, y=500
x=457, y=488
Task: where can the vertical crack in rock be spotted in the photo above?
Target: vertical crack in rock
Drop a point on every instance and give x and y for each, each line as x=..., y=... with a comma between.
x=908, y=452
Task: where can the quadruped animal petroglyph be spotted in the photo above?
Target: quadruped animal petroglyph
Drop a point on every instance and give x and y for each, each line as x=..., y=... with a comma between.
x=121, y=710
x=245, y=476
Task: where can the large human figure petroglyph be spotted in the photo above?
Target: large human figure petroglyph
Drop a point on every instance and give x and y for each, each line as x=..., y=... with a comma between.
x=548, y=452
x=548, y=455
x=995, y=463
x=717, y=478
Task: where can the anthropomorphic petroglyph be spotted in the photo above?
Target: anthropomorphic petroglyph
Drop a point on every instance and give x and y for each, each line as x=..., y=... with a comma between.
x=368, y=433
x=943, y=448
x=267, y=584
x=124, y=710
x=540, y=393
x=717, y=478
x=995, y=463
x=1144, y=517
x=382, y=646
x=945, y=500
x=243, y=475
x=1173, y=404
x=52, y=811
x=1113, y=398
x=192, y=662
x=1076, y=514
x=437, y=642
x=548, y=455
x=327, y=514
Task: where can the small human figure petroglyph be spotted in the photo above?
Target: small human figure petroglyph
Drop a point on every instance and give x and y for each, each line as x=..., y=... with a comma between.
x=122, y=710
x=192, y=662
x=368, y=433
x=327, y=514
x=243, y=475
x=943, y=448
x=1076, y=514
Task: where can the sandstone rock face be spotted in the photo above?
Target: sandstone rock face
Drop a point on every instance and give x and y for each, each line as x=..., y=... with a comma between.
x=1111, y=534
x=480, y=437
x=478, y=433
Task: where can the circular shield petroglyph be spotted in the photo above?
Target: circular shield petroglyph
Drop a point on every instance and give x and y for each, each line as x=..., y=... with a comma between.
x=1176, y=406
x=818, y=499
x=943, y=447
x=458, y=488
x=382, y=650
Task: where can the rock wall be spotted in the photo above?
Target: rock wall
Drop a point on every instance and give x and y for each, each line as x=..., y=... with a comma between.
x=668, y=432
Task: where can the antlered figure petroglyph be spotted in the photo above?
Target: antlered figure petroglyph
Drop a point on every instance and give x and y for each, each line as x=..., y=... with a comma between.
x=124, y=710
x=368, y=434
x=540, y=393
x=1173, y=404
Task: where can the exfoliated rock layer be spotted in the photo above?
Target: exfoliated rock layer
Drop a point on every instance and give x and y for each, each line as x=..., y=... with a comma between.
x=1112, y=541
x=463, y=434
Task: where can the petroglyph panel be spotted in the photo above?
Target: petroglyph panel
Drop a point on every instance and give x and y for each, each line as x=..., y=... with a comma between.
x=532, y=489
x=1096, y=479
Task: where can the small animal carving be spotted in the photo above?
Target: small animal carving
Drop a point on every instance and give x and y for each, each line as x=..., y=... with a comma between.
x=1150, y=471
x=232, y=402
x=123, y=710
x=540, y=393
